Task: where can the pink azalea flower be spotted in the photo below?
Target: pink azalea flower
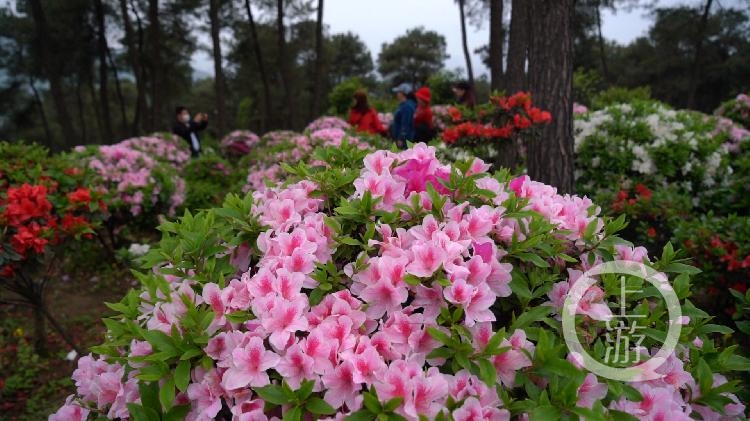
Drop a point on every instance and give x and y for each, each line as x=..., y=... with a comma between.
x=296, y=366
x=248, y=366
x=342, y=387
x=591, y=391
x=427, y=259
x=71, y=411
x=205, y=396
x=472, y=410
x=283, y=320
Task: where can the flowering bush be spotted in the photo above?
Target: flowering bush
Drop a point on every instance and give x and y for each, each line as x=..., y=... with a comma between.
x=645, y=142
x=327, y=122
x=406, y=288
x=208, y=178
x=239, y=142
x=737, y=109
x=164, y=147
x=43, y=205
x=142, y=181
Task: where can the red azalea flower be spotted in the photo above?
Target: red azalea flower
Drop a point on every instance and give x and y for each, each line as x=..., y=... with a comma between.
x=72, y=224
x=25, y=203
x=651, y=232
x=643, y=191
x=80, y=196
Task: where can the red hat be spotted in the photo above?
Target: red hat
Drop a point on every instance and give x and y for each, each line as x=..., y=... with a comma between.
x=423, y=94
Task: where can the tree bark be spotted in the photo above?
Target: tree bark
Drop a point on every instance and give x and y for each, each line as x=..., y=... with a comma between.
x=154, y=44
x=261, y=66
x=518, y=46
x=96, y=107
x=103, y=74
x=282, y=65
x=497, y=35
x=465, y=43
x=81, y=116
x=124, y=131
x=52, y=71
x=42, y=114
x=550, y=158
x=695, y=69
x=219, y=83
x=318, y=79
x=139, y=70
x=602, y=45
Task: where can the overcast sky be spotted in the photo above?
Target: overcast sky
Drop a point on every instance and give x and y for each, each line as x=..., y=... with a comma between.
x=391, y=18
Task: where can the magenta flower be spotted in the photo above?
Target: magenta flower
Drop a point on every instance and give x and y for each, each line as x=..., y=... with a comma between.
x=591, y=391
x=427, y=259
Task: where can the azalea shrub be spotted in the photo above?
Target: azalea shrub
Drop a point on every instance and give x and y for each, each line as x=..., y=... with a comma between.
x=44, y=207
x=492, y=130
x=208, y=178
x=646, y=142
x=291, y=147
x=737, y=110
x=141, y=174
x=238, y=143
x=384, y=285
x=326, y=122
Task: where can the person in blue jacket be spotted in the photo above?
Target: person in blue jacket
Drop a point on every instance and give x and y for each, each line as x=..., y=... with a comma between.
x=402, y=128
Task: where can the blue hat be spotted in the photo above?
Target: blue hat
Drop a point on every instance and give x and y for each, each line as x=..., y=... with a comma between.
x=404, y=88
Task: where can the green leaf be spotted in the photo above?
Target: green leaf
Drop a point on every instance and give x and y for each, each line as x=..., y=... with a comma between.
x=182, y=375
x=676, y=267
x=149, y=395
x=737, y=363
x=273, y=394
x=441, y=336
x=372, y=403
x=530, y=316
x=177, y=413
x=712, y=328
x=160, y=340
x=294, y=414
x=621, y=416
x=361, y=415
x=139, y=413
x=487, y=371
x=533, y=258
x=305, y=389
x=392, y=404
x=704, y=376
x=167, y=393
x=318, y=406
x=545, y=413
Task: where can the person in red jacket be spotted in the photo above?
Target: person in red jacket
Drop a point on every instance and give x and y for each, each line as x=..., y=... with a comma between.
x=424, y=130
x=363, y=117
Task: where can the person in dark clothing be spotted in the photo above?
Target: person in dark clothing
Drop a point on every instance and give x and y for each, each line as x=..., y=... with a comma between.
x=188, y=128
x=464, y=93
x=423, y=124
x=402, y=128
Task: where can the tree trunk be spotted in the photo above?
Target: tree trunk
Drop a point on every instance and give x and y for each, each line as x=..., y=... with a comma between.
x=139, y=70
x=40, y=331
x=464, y=42
x=96, y=107
x=497, y=35
x=81, y=116
x=154, y=44
x=219, y=84
x=52, y=71
x=318, y=80
x=550, y=159
x=602, y=45
x=42, y=114
x=261, y=66
x=695, y=69
x=282, y=65
x=103, y=74
x=124, y=131
x=518, y=46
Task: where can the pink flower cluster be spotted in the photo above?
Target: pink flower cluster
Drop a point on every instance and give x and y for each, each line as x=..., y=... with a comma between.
x=374, y=333
x=735, y=133
x=105, y=385
x=259, y=175
x=386, y=119
x=326, y=122
x=132, y=176
x=239, y=142
x=441, y=115
x=579, y=109
x=162, y=147
x=334, y=137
